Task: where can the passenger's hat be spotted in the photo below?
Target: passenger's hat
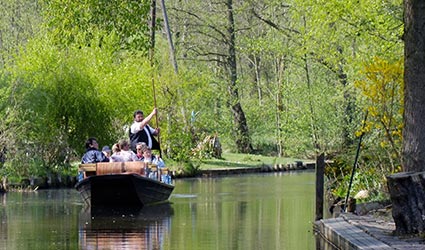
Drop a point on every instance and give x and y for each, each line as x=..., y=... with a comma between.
x=106, y=149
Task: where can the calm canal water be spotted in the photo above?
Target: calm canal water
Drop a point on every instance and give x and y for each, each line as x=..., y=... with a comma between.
x=264, y=211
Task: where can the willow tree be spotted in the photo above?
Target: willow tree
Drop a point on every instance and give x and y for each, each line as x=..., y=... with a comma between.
x=72, y=21
x=19, y=21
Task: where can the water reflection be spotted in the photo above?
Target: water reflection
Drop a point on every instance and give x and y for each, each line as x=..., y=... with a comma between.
x=3, y=218
x=45, y=219
x=105, y=228
x=267, y=211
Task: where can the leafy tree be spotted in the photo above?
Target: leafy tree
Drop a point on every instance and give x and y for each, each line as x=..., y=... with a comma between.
x=335, y=34
x=58, y=103
x=212, y=33
x=293, y=46
x=20, y=20
x=189, y=111
x=62, y=97
x=79, y=21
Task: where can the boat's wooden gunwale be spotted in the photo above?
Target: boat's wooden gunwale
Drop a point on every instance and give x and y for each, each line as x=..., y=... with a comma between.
x=130, y=167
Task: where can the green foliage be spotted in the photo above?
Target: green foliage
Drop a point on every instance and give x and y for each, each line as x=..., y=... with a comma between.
x=368, y=176
x=190, y=168
x=19, y=21
x=189, y=111
x=302, y=79
x=382, y=93
x=77, y=22
x=62, y=97
x=57, y=108
x=59, y=93
x=303, y=112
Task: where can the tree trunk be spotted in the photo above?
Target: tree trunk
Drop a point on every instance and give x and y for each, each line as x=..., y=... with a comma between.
x=280, y=106
x=414, y=92
x=407, y=192
x=407, y=189
x=314, y=133
x=349, y=103
x=243, y=140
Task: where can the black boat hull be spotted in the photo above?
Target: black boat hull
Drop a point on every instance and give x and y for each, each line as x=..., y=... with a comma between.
x=122, y=190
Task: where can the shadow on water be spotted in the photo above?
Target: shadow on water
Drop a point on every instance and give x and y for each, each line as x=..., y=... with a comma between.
x=125, y=228
x=323, y=244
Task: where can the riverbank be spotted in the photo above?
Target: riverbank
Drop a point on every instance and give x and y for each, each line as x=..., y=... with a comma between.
x=262, y=168
x=366, y=232
x=234, y=163
x=230, y=164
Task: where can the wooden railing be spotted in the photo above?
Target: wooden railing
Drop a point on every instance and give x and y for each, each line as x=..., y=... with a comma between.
x=131, y=167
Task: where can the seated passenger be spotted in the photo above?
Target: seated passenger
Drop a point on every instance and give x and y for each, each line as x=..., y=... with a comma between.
x=149, y=158
x=125, y=152
x=93, y=154
x=107, y=152
x=139, y=150
x=116, y=157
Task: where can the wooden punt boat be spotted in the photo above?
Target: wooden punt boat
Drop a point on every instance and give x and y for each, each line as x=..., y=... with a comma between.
x=123, y=184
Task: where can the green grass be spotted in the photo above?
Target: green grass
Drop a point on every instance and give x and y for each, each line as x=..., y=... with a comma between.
x=230, y=160
x=233, y=160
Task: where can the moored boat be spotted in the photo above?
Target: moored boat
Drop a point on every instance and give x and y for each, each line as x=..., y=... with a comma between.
x=123, y=184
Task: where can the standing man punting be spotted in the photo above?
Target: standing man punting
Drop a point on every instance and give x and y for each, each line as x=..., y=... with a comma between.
x=140, y=131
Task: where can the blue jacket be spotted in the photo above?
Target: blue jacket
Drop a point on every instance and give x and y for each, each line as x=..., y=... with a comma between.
x=93, y=155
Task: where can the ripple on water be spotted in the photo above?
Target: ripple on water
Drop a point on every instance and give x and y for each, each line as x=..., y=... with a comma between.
x=183, y=196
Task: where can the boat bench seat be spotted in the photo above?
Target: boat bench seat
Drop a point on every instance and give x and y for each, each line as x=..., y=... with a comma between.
x=87, y=169
x=136, y=167
x=103, y=168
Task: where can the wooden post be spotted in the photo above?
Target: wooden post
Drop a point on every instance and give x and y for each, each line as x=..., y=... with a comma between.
x=320, y=172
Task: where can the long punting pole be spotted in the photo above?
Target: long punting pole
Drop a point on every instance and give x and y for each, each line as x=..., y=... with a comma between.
x=152, y=55
x=169, y=38
x=355, y=163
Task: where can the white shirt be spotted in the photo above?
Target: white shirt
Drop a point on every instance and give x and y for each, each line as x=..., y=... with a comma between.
x=128, y=155
x=135, y=127
x=116, y=157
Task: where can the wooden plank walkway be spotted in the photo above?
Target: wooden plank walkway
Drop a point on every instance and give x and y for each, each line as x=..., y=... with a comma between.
x=354, y=232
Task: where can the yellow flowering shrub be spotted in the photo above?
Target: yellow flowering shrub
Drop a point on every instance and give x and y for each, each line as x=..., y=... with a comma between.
x=382, y=88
